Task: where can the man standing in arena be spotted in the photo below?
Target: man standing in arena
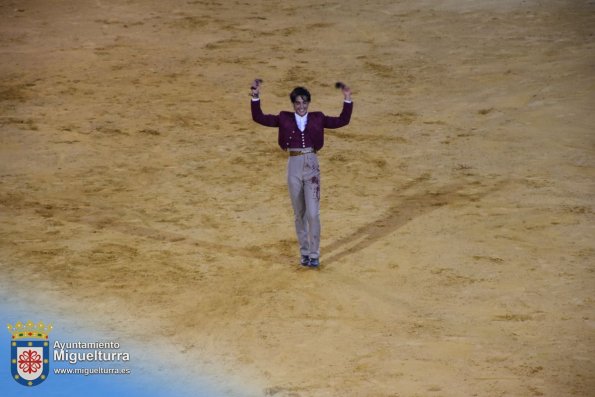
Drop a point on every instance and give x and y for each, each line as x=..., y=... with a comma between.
x=301, y=134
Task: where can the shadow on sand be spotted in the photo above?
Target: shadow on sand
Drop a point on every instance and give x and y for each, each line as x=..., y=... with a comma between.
x=406, y=203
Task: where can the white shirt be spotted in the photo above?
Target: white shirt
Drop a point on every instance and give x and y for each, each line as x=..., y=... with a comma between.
x=301, y=121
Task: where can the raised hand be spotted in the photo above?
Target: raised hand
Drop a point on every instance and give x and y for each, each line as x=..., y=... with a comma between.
x=255, y=93
x=345, y=89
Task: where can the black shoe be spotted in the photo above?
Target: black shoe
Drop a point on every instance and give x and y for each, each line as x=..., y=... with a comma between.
x=305, y=260
x=314, y=262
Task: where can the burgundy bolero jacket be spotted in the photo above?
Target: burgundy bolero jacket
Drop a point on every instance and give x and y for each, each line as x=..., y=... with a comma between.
x=317, y=122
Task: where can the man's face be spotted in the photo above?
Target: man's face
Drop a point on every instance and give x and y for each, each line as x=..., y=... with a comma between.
x=300, y=106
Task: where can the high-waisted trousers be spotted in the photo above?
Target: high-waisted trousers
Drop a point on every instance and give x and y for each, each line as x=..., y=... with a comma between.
x=303, y=180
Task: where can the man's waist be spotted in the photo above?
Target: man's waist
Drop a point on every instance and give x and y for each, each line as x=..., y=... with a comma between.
x=300, y=152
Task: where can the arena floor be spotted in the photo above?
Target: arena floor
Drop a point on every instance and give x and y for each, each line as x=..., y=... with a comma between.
x=457, y=207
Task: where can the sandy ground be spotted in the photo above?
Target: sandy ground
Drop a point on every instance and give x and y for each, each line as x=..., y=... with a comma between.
x=457, y=207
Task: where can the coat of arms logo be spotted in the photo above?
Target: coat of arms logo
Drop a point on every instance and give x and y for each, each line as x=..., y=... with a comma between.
x=29, y=352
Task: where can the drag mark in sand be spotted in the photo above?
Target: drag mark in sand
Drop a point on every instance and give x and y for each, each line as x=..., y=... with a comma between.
x=403, y=210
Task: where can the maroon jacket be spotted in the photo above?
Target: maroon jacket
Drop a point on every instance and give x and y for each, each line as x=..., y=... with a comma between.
x=317, y=122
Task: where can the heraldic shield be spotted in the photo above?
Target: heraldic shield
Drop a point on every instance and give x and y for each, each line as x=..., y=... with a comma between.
x=30, y=353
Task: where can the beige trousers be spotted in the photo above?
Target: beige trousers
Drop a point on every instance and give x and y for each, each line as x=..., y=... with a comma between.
x=303, y=180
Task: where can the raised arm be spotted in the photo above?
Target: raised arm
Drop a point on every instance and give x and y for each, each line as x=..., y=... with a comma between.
x=268, y=120
x=345, y=116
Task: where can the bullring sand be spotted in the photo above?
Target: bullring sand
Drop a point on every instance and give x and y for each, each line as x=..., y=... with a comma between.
x=457, y=207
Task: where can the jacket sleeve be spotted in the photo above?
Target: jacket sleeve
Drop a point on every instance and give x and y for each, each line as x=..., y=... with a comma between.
x=269, y=120
x=342, y=120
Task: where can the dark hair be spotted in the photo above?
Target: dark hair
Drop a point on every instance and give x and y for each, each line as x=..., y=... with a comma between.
x=299, y=91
